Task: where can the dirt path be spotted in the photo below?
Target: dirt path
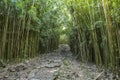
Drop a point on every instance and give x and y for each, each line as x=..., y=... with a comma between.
x=58, y=65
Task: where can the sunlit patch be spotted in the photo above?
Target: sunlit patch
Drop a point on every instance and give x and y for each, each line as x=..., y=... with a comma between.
x=63, y=28
x=55, y=7
x=52, y=71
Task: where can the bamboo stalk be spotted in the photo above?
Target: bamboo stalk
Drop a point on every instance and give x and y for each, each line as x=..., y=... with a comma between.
x=5, y=32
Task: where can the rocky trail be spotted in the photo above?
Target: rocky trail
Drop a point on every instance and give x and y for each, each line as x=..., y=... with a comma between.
x=58, y=65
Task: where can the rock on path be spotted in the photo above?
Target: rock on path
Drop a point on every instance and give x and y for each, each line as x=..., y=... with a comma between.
x=58, y=65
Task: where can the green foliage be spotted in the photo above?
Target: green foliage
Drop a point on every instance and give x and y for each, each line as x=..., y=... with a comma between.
x=94, y=34
x=30, y=27
x=91, y=27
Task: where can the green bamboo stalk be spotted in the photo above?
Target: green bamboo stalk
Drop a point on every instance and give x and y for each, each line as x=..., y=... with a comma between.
x=5, y=32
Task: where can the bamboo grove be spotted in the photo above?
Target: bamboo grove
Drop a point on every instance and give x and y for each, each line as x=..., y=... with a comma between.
x=96, y=33
x=91, y=27
x=28, y=28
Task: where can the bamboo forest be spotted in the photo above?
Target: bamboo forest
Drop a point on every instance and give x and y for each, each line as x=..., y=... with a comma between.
x=59, y=39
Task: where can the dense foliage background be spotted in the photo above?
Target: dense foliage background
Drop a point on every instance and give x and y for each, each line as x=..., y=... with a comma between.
x=95, y=36
x=29, y=27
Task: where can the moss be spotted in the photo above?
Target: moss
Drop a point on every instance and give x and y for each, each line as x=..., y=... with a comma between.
x=66, y=62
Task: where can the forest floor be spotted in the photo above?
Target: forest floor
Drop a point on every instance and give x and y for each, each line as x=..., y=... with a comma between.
x=57, y=65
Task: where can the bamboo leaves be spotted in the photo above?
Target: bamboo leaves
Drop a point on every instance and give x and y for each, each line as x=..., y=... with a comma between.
x=97, y=27
x=28, y=28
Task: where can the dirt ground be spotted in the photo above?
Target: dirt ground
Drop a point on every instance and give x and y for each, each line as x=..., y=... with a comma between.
x=57, y=65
